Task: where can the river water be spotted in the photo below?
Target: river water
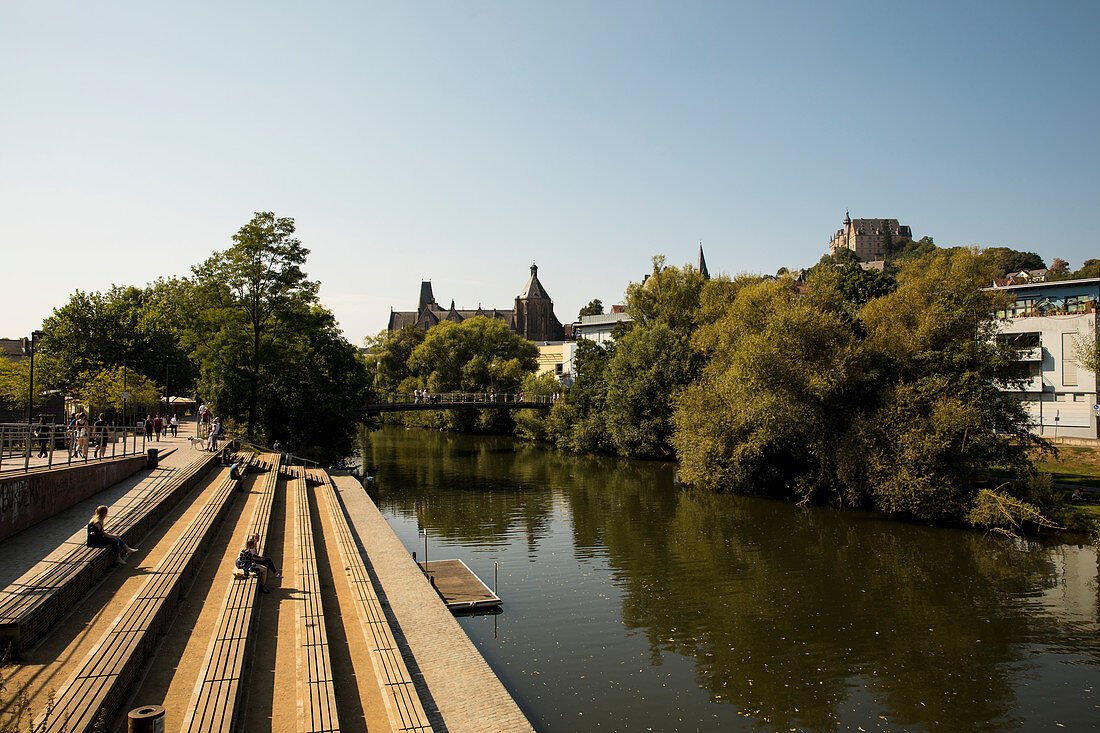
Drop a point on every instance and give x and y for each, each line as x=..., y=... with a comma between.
x=633, y=604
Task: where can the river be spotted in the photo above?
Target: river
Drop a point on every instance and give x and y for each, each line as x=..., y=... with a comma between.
x=634, y=604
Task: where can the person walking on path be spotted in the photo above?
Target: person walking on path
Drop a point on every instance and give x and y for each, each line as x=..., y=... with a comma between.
x=82, y=435
x=216, y=431
x=42, y=433
x=158, y=426
x=99, y=537
x=99, y=437
x=174, y=424
x=70, y=435
x=148, y=426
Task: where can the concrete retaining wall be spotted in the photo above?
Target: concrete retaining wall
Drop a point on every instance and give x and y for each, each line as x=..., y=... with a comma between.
x=28, y=498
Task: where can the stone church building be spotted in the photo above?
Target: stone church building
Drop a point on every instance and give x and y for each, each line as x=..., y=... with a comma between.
x=532, y=317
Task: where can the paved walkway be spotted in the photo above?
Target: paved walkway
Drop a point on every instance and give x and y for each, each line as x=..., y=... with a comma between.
x=449, y=670
x=60, y=458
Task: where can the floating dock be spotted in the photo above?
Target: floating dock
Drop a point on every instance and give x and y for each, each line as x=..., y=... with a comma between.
x=459, y=587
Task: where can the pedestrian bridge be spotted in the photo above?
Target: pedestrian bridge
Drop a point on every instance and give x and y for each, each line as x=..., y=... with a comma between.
x=459, y=401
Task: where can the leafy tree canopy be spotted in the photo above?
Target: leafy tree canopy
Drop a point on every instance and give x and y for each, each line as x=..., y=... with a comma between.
x=272, y=357
x=142, y=328
x=479, y=354
x=594, y=308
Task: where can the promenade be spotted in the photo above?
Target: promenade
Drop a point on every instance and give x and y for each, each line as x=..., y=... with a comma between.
x=315, y=532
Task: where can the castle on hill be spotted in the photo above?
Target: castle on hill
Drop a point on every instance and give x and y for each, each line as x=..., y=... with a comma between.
x=867, y=237
x=532, y=316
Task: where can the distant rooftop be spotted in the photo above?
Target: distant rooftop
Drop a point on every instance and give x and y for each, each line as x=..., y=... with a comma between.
x=604, y=319
x=1046, y=284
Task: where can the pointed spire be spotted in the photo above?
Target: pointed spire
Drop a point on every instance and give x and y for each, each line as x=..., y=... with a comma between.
x=534, y=288
x=426, y=296
x=703, y=263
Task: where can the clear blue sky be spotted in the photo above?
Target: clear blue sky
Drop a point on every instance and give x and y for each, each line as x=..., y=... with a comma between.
x=459, y=141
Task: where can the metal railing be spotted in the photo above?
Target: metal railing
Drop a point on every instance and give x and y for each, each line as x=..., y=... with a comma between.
x=288, y=458
x=459, y=398
x=23, y=446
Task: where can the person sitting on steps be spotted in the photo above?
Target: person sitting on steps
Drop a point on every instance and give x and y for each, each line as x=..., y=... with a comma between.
x=250, y=562
x=236, y=473
x=98, y=537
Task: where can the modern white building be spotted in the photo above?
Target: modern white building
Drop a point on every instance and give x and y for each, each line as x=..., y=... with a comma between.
x=598, y=328
x=1044, y=323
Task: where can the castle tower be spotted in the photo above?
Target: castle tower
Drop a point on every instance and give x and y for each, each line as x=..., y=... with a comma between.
x=427, y=300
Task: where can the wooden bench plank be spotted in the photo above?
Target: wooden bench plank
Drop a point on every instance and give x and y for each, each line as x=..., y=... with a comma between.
x=314, y=672
x=114, y=663
x=31, y=605
x=215, y=703
x=403, y=706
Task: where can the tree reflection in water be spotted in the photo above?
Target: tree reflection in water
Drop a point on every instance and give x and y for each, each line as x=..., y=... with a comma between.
x=812, y=619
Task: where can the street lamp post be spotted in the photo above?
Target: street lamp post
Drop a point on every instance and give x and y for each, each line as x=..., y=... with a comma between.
x=30, y=387
x=35, y=335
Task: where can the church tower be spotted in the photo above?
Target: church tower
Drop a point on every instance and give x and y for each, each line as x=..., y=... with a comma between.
x=534, y=317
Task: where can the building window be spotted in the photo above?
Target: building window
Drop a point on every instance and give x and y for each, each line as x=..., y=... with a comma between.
x=1069, y=361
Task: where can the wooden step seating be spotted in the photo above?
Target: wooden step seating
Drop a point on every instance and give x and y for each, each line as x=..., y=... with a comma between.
x=104, y=678
x=32, y=604
x=316, y=697
x=403, y=706
x=215, y=704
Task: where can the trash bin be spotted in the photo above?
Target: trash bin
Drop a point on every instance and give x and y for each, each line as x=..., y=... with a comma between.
x=148, y=719
x=151, y=461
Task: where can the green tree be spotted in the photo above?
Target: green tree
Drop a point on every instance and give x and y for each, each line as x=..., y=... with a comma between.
x=15, y=383
x=1059, y=269
x=144, y=328
x=478, y=355
x=250, y=291
x=594, y=308
x=670, y=295
x=531, y=424
x=102, y=391
x=1087, y=352
x=893, y=405
x=941, y=422
x=273, y=358
x=650, y=366
x=858, y=286
x=1004, y=260
x=785, y=378
x=391, y=353
x=313, y=396
x=1089, y=268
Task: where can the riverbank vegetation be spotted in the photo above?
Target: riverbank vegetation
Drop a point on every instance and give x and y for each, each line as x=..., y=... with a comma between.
x=855, y=389
x=849, y=387
x=477, y=355
x=246, y=333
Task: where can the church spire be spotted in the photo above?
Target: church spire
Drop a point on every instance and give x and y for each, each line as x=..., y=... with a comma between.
x=534, y=288
x=703, y=264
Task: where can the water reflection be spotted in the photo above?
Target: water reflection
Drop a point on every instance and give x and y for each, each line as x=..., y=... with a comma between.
x=786, y=618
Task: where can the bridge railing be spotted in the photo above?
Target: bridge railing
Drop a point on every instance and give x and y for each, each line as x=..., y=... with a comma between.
x=455, y=398
x=24, y=446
